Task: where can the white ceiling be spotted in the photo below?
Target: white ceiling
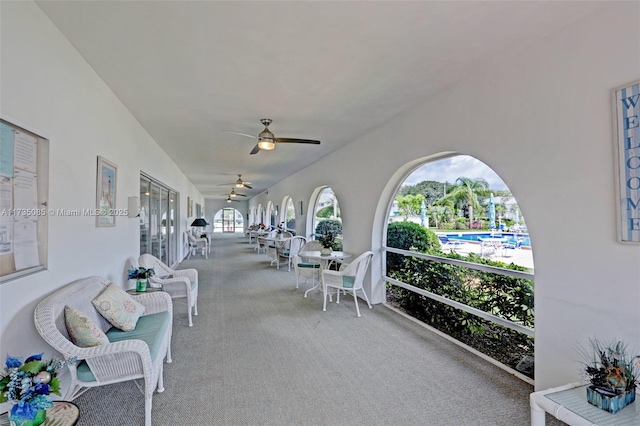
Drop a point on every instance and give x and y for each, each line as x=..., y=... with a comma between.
x=332, y=71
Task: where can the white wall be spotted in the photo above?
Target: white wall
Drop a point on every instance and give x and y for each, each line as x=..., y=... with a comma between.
x=541, y=118
x=49, y=88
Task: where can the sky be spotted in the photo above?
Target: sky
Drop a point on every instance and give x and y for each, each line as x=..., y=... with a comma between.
x=450, y=169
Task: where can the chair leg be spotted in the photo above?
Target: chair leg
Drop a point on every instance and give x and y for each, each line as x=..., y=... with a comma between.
x=324, y=297
x=147, y=410
x=365, y=297
x=355, y=299
x=160, y=387
x=195, y=305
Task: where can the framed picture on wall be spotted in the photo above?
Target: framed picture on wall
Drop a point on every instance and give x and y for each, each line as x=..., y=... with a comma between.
x=107, y=175
x=189, y=207
x=626, y=111
x=198, y=210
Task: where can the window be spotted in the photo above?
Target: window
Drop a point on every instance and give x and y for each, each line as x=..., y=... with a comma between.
x=290, y=215
x=459, y=258
x=327, y=217
x=228, y=220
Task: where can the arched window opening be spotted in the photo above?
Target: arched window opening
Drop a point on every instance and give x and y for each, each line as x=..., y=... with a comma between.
x=290, y=215
x=271, y=216
x=228, y=220
x=457, y=238
x=327, y=217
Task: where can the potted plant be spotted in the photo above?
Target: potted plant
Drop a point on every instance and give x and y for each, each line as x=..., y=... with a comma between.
x=28, y=386
x=141, y=275
x=327, y=240
x=613, y=374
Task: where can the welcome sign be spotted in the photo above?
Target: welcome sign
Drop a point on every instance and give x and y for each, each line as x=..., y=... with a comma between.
x=627, y=145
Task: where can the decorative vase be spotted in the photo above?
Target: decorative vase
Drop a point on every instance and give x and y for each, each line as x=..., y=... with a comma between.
x=611, y=403
x=141, y=285
x=325, y=251
x=40, y=417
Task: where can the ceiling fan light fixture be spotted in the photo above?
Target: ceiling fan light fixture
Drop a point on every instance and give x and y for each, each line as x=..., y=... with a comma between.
x=266, y=140
x=229, y=199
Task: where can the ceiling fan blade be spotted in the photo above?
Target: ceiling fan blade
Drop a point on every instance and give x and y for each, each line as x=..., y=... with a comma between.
x=226, y=184
x=291, y=140
x=248, y=186
x=255, y=150
x=238, y=133
x=240, y=195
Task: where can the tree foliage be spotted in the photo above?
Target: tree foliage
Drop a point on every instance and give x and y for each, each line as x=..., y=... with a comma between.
x=409, y=205
x=465, y=195
x=431, y=190
x=326, y=212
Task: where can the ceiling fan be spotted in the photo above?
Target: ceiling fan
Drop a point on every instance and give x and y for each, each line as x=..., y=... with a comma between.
x=239, y=183
x=267, y=140
x=229, y=199
x=233, y=193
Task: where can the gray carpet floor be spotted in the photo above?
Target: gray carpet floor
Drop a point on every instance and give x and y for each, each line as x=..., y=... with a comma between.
x=261, y=354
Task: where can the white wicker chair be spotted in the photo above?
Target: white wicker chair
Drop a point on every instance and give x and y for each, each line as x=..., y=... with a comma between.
x=109, y=363
x=349, y=278
x=303, y=267
x=197, y=243
x=179, y=283
x=290, y=249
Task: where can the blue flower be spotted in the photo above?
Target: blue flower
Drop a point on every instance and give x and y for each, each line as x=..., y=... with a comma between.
x=36, y=357
x=13, y=362
x=24, y=410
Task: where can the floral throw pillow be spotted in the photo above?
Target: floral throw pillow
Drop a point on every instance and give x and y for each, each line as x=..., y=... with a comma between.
x=82, y=331
x=118, y=307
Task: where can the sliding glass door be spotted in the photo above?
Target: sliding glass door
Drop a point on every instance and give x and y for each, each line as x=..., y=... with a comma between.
x=158, y=220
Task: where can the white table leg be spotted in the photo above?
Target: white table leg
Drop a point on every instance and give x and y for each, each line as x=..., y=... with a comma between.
x=538, y=415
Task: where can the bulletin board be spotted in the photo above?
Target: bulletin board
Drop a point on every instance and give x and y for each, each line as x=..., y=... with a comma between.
x=24, y=162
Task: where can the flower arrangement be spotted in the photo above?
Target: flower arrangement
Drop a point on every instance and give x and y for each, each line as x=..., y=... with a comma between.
x=613, y=374
x=610, y=368
x=29, y=384
x=140, y=273
x=281, y=228
x=327, y=240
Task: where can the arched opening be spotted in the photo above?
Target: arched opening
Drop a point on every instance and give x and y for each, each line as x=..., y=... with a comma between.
x=228, y=220
x=458, y=257
x=290, y=215
x=327, y=216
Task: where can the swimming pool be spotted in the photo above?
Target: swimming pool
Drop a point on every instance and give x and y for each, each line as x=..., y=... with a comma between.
x=473, y=236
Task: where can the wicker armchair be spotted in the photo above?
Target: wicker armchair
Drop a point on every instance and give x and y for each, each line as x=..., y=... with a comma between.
x=179, y=283
x=114, y=362
x=196, y=243
x=349, y=279
x=290, y=249
x=303, y=267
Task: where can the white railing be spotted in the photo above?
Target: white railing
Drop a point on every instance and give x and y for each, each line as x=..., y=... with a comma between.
x=484, y=268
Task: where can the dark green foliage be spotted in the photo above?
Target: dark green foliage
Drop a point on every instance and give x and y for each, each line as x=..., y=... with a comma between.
x=409, y=236
x=503, y=296
x=329, y=225
x=431, y=190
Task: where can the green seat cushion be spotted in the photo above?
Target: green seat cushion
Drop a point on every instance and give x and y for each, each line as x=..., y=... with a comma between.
x=286, y=252
x=347, y=281
x=308, y=265
x=151, y=329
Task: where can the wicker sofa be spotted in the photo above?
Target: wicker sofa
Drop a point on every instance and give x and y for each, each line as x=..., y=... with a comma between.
x=129, y=355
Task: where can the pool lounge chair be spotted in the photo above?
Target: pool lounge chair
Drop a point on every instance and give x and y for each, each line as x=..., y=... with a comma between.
x=451, y=244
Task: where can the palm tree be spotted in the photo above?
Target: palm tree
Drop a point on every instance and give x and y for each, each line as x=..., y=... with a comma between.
x=466, y=192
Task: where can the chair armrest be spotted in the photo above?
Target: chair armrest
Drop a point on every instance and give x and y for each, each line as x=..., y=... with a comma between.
x=116, y=360
x=155, y=302
x=190, y=273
